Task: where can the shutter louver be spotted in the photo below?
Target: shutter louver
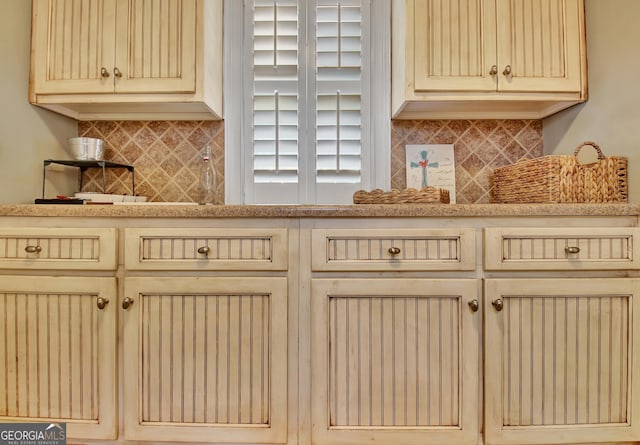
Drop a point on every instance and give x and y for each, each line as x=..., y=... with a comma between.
x=338, y=91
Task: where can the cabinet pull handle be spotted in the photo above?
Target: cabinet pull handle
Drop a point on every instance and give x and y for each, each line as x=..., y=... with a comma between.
x=393, y=250
x=474, y=305
x=494, y=70
x=204, y=250
x=104, y=73
x=571, y=249
x=126, y=303
x=101, y=303
x=117, y=72
x=33, y=249
x=498, y=304
x=507, y=70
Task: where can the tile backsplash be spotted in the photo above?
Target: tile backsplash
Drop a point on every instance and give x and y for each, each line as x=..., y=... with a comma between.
x=166, y=154
x=479, y=147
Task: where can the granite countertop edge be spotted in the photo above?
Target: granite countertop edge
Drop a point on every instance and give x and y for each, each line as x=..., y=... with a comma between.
x=317, y=211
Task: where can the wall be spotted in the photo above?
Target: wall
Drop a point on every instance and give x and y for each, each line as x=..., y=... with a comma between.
x=611, y=116
x=28, y=135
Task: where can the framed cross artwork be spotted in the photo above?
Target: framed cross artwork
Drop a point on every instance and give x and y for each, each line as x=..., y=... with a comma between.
x=431, y=165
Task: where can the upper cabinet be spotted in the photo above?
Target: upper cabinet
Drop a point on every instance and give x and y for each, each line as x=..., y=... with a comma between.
x=128, y=59
x=487, y=58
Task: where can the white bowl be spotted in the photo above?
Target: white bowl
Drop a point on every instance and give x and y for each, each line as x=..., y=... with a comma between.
x=86, y=149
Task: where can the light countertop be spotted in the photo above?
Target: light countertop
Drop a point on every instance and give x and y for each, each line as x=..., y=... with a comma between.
x=317, y=211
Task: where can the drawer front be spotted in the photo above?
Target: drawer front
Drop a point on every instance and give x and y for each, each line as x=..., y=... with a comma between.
x=393, y=249
x=206, y=249
x=561, y=248
x=52, y=248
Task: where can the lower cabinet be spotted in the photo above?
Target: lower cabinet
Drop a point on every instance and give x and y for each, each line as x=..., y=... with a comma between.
x=324, y=332
x=58, y=353
x=205, y=359
x=394, y=361
x=561, y=360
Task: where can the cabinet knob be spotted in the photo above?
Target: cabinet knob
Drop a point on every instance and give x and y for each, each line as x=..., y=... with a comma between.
x=474, y=305
x=117, y=72
x=393, y=250
x=204, y=250
x=497, y=304
x=101, y=303
x=104, y=73
x=126, y=303
x=33, y=249
x=572, y=249
x=507, y=70
x=494, y=70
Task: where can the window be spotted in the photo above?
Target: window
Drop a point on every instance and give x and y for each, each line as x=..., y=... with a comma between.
x=302, y=124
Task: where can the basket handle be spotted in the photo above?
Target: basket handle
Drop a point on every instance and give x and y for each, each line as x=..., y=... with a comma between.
x=594, y=145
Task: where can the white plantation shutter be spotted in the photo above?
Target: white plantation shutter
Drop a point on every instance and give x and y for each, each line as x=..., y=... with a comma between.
x=306, y=135
x=275, y=91
x=339, y=88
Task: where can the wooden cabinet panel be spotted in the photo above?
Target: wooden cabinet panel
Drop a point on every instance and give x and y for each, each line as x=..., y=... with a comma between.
x=51, y=248
x=394, y=361
x=206, y=249
x=206, y=358
x=393, y=249
x=75, y=40
x=58, y=354
x=603, y=248
x=540, y=42
x=454, y=45
x=156, y=45
x=561, y=353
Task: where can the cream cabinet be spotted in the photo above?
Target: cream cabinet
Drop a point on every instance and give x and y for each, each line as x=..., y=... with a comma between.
x=561, y=360
x=393, y=359
x=487, y=59
x=58, y=316
x=206, y=359
x=127, y=59
x=504, y=330
x=561, y=349
x=206, y=355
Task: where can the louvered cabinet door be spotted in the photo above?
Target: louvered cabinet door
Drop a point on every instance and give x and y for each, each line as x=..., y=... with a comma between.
x=206, y=359
x=58, y=353
x=541, y=43
x=394, y=361
x=156, y=46
x=561, y=361
x=72, y=40
x=455, y=45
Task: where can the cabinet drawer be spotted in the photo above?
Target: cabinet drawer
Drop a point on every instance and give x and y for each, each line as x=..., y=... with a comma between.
x=561, y=248
x=393, y=249
x=206, y=249
x=50, y=248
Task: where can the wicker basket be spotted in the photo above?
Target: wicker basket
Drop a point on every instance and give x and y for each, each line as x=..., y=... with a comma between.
x=427, y=195
x=562, y=179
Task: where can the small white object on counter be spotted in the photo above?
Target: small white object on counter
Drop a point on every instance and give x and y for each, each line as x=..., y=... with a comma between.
x=109, y=197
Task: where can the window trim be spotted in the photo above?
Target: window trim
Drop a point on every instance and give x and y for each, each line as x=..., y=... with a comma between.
x=378, y=173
